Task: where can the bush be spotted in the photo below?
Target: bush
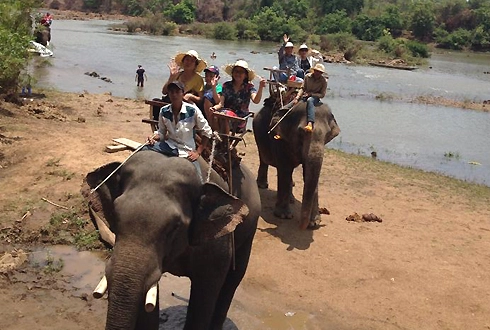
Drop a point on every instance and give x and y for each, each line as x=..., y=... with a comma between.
x=270, y=25
x=387, y=44
x=458, y=40
x=181, y=13
x=337, y=42
x=418, y=49
x=335, y=22
x=246, y=29
x=224, y=31
x=15, y=26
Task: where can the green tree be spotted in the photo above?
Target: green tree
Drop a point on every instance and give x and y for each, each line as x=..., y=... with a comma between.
x=367, y=28
x=182, y=13
x=392, y=20
x=422, y=20
x=270, y=24
x=335, y=22
x=15, y=33
x=350, y=6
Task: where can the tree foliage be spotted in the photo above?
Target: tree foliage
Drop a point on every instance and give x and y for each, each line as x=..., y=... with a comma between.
x=15, y=33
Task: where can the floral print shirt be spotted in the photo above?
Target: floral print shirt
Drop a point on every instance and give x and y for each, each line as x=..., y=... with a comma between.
x=239, y=101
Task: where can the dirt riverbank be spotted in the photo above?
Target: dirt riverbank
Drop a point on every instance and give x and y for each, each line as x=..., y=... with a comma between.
x=424, y=267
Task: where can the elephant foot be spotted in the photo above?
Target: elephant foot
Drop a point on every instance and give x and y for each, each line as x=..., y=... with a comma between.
x=263, y=185
x=283, y=213
x=314, y=223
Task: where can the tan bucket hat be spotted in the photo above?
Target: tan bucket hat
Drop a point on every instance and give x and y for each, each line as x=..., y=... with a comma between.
x=201, y=64
x=241, y=64
x=318, y=67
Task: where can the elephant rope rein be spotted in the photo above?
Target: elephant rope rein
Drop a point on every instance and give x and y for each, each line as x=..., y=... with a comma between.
x=152, y=294
x=216, y=138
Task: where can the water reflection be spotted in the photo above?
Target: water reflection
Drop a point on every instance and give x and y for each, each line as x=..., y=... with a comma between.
x=408, y=134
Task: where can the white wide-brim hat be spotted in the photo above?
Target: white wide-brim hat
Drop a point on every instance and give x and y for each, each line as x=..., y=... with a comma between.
x=201, y=64
x=303, y=46
x=241, y=64
x=288, y=44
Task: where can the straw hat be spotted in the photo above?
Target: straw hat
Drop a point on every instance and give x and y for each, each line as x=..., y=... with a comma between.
x=241, y=64
x=318, y=67
x=201, y=64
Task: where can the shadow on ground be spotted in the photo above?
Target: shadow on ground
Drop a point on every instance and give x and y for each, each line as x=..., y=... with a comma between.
x=287, y=230
x=173, y=318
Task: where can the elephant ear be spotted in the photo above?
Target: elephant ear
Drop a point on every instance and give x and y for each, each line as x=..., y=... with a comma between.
x=217, y=214
x=100, y=202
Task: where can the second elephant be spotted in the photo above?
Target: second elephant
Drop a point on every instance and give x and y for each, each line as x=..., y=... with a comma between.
x=295, y=147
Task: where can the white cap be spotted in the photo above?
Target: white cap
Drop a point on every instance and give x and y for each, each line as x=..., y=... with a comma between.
x=303, y=46
x=288, y=44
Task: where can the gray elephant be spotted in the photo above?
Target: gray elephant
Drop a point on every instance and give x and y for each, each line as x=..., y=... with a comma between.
x=295, y=147
x=165, y=219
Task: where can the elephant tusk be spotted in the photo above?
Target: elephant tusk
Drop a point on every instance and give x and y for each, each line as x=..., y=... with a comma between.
x=151, y=298
x=100, y=289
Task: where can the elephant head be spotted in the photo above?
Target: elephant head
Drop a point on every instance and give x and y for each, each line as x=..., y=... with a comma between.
x=162, y=217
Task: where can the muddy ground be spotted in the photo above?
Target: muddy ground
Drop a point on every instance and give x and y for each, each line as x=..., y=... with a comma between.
x=425, y=266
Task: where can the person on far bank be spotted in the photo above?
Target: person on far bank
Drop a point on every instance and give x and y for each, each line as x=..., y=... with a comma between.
x=177, y=122
x=288, y=61
x=140, y=76
x=312, y=91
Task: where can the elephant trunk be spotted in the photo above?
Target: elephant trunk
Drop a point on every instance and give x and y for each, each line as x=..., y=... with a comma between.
x=128, y=283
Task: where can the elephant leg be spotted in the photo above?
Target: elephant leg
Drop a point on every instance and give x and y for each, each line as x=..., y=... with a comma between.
x=262, y=181
x=207, y=279
x=232, y=281
x=284, y=191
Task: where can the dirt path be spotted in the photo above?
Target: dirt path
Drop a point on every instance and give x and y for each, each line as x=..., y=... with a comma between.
x=425, y=266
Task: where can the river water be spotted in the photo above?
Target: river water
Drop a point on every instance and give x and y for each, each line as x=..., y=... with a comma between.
x=447, y=140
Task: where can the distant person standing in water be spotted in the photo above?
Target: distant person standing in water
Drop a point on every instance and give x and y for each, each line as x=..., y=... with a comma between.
x=140, y=76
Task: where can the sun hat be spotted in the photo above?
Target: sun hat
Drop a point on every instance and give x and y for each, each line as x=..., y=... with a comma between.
x=212, y=68
x=201, y=64
x=288, y=44
x=319, y=67
x=303, y=46
x=176, y=83
x=241, y=64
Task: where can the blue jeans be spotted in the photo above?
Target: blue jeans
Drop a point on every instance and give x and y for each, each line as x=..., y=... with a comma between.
x=311, y=103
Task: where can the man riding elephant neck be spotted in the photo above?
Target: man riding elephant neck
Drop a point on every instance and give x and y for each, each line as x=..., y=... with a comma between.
x=176, y=124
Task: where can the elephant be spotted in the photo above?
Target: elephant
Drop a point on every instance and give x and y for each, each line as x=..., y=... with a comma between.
x=294, y=147
x=43, y=35
x=167, y=218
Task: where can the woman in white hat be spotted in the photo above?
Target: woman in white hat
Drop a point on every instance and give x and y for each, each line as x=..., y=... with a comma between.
x=238, y=92
x=185, y=67
x=304, y=60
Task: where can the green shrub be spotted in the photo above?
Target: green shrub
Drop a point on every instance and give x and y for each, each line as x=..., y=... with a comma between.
x=181, y=13
x=337, y=41
x=418, y=49
x=15, y=24
x=169, y=28
x=246, y=29
x=387, y=44
x=335, y=22
x=459, y=39
x=224, y=31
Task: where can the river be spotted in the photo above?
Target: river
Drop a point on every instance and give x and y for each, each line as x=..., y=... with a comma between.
x=447, y=140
